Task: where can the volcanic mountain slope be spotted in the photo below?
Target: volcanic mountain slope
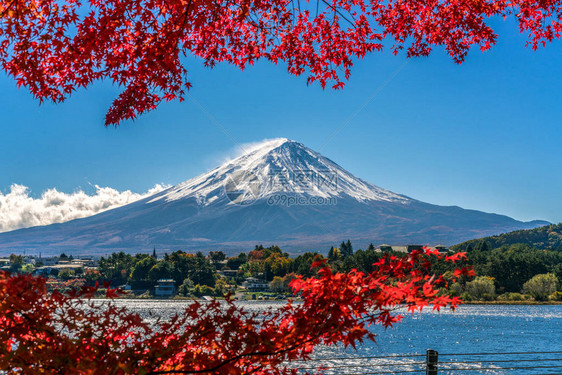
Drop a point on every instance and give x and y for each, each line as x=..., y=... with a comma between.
x=278, y=192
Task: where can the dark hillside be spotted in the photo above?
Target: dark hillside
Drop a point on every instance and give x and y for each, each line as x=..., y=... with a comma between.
x=544, y=238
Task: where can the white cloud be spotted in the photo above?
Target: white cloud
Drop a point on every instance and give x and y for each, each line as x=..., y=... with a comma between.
x=20, y=210
x=240, y=149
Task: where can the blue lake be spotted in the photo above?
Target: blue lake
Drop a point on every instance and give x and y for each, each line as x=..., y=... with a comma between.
x=472, y=330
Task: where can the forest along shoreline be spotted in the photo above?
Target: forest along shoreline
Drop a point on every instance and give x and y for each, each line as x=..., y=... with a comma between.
x=517, y=268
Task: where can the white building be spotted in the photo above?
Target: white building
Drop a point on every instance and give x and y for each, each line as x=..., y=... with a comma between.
x=256, y=285
x=165, y=288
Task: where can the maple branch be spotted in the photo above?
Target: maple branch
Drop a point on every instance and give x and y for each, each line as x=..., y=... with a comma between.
x=338, y=12
x=185, y=16
x=255, y=24
x=238, y=357
x=216, y=10
x=292, y=12
x=294, y=346
x=7, y=8
x=337, y=308
x=28, y=318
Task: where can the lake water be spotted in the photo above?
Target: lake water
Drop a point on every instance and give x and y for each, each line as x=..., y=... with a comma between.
x=472, y=329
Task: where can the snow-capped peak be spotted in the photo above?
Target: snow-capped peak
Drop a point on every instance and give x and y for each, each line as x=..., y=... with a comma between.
x=278, y=166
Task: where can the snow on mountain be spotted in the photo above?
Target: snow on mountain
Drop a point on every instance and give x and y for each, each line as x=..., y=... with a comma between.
x=280, y=166
x=278, y=192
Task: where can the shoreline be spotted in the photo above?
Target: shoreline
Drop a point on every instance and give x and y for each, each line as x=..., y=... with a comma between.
x=512, y=302
x=187, y=299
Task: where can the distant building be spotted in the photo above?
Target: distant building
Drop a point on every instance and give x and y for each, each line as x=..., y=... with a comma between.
x=86, y=262
x=5, y=264
x=411, y=248
x=256, y=285
x=49, y=261
x=165, y=288
x=228, y=273
x=47, y=270
x=384, y=248
x=442, y=248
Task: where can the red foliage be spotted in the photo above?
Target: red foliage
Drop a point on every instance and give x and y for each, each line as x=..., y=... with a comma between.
x=255, y=255
x=54, y=47
x=67, y=333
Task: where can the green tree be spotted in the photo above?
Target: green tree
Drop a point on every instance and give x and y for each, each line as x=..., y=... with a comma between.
x=27, y=268
x=349, y=263
x=456, y=289
x=217, y=256
x=281, y=284
x=203, y=290
x=66, y=274
x=346, y=249
x=343, y=249
x=349, y=248
x=541, y=286
x=277, y=265
x=116, y=268
x=364, y=259
x=234, y=263
x=92, y=276
x=482, y=288
x=16, y=263
x=221, y=287
x=161, y=270
x=204, y=272
x=512, y=265
x=334, y=254
x=183, y=265
x=139, y=275
x=276, y=285
x=482, y=246
x=186, y=287
x=302, y=264
x=557, y=268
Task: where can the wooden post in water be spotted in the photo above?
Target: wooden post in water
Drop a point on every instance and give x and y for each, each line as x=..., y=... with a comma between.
x=431, y=361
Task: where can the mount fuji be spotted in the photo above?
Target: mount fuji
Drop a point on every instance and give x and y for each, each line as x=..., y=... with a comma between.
x=278, y=192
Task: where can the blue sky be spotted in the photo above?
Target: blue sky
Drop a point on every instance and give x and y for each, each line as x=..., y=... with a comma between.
x=483, y=135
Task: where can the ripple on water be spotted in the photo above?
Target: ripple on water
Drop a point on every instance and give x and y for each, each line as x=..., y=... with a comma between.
x=470, y=329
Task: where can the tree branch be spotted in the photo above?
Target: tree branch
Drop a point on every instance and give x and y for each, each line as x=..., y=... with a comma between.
x=335, y=9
